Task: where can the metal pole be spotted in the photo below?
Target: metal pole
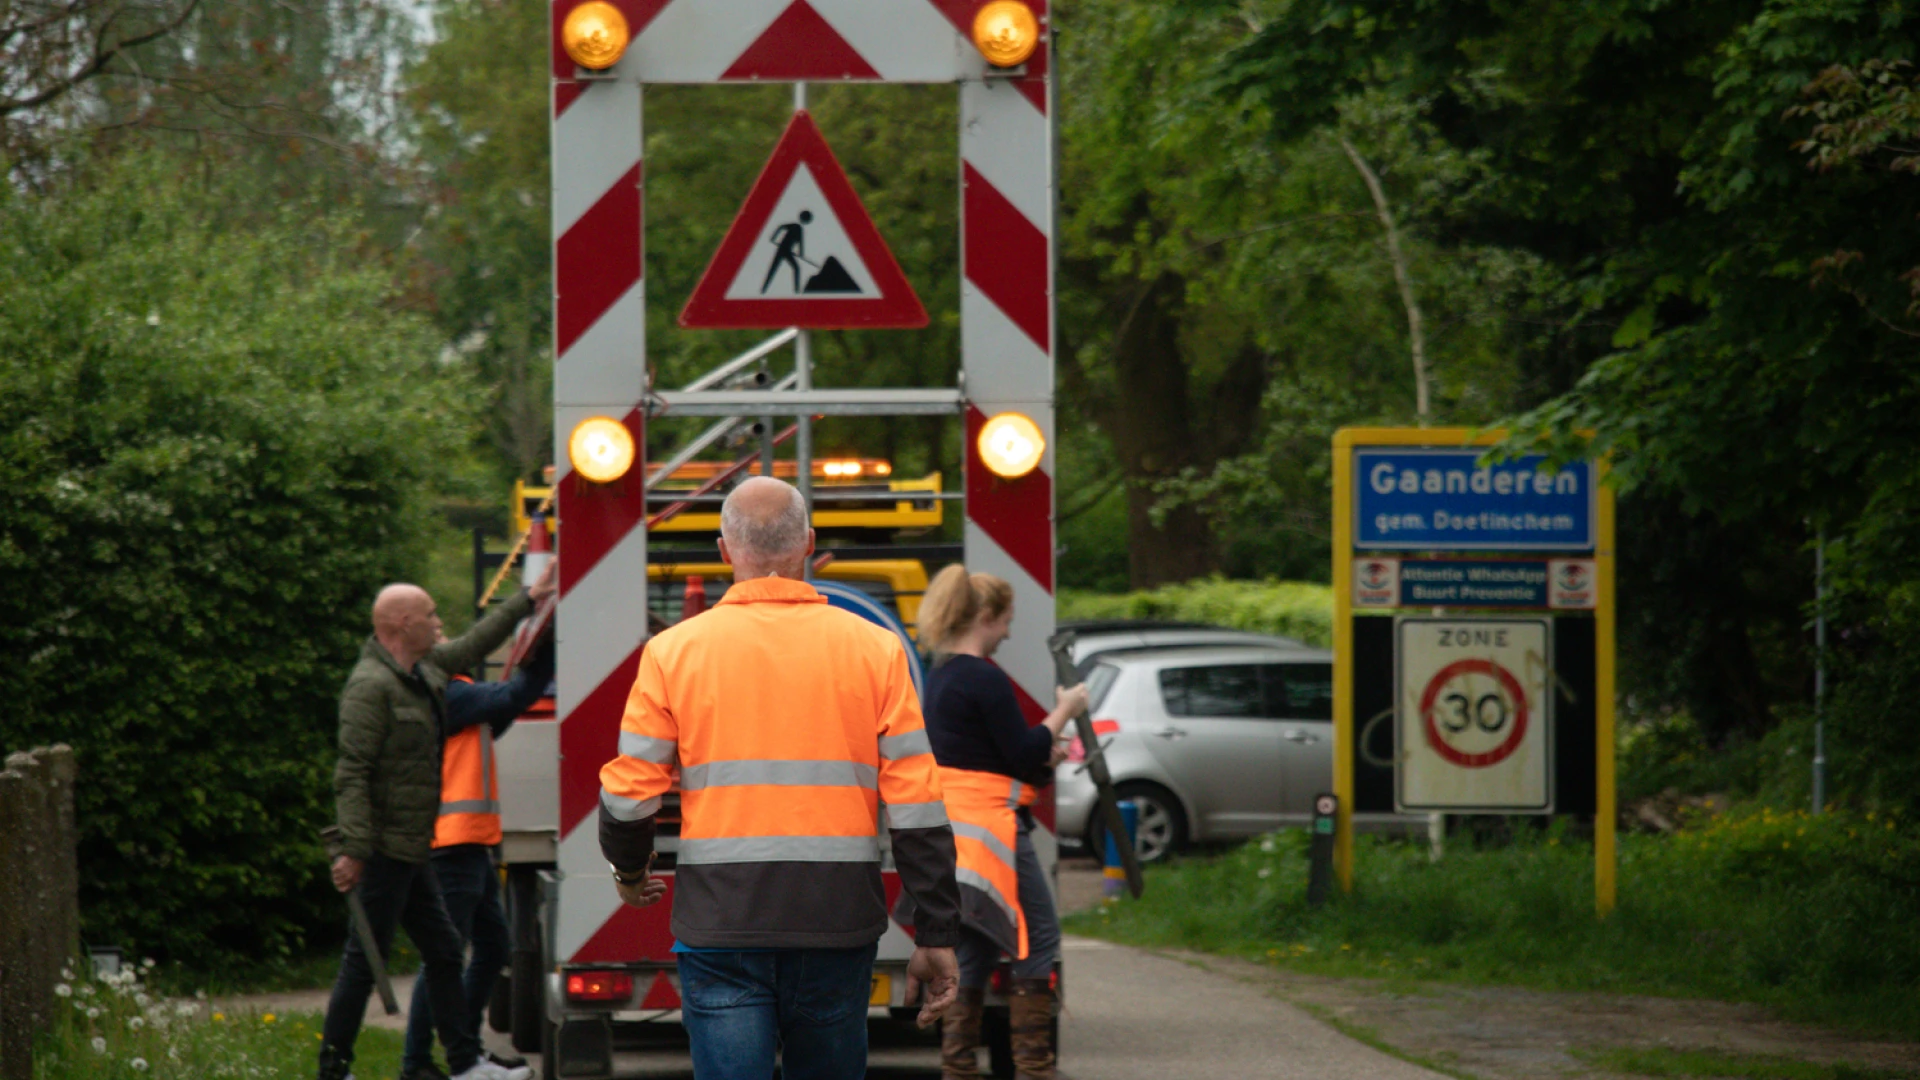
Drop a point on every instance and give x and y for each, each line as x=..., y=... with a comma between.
x=803, y=367
x=803, y=445
x=1820, y=673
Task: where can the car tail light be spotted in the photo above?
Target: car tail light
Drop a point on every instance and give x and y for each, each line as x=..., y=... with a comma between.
x=1078, y=752
x=599, y=986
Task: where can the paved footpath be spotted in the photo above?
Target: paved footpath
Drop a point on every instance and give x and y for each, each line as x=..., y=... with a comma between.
x=1131, y=1015
x=1134, y=1015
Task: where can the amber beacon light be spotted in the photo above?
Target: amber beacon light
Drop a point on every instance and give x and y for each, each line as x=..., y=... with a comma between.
x=601, y=449
x=595, y=35
x=1011, y=445
x=1006, y=33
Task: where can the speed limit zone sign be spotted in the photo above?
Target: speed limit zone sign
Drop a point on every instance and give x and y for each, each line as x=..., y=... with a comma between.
x=1474, y=730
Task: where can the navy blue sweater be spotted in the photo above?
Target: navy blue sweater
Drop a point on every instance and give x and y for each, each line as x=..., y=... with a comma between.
x=974, y=722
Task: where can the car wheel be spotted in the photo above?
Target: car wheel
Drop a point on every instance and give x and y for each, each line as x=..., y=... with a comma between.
x=1159, y=830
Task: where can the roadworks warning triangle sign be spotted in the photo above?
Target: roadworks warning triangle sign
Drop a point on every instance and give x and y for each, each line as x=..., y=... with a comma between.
x=803, y=252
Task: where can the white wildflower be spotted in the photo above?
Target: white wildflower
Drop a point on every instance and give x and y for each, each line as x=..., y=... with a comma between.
x=200, y=995
x=153, y=318
x=99, y=1044
x=186, y=1008
x=139, y=1064
x=173, y=1053
x=1266, y=871
x=63, y=990
x=1267, y=845
x=135, y=1023
x=142, y=1000
x=147, y=964
x=93, y=1012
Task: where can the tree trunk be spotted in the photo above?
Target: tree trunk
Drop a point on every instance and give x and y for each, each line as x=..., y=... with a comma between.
x=1151, y=423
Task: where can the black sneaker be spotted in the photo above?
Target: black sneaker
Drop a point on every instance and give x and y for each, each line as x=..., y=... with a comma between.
x=505, y=1061
x=424, y=1072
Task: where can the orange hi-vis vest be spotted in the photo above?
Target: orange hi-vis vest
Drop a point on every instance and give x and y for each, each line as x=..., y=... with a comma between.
x=985, y=836
x=789, y=723
x=469, y=789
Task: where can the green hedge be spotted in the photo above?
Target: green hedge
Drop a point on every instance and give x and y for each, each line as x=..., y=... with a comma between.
x=217, y=440
x=1295, y=609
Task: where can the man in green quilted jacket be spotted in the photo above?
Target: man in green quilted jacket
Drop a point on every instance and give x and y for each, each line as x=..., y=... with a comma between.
x=387, y=794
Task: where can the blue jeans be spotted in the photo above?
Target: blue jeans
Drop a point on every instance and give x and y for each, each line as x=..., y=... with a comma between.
x=977, y=952
x=808, y=1004
x=471, y=888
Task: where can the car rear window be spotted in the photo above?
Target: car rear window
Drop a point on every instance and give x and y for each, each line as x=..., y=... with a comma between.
x=1099, y=681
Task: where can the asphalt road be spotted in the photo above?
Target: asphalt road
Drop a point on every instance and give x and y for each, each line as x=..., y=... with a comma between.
x=1130, y=1015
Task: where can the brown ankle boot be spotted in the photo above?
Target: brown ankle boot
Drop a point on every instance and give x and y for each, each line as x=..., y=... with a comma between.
x=1031, y=1018
x=960, y=1034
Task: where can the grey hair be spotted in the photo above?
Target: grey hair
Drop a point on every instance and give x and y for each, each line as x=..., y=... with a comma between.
x=776, y=536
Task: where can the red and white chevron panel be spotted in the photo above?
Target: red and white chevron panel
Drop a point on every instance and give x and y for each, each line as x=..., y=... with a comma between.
x=599, y=329
x=1006, y=349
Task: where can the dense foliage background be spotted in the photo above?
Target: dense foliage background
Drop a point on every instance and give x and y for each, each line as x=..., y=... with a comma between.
x=215, y=443
x=275, y=319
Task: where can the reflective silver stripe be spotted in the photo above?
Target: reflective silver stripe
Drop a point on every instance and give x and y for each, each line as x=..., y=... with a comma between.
x=1013, y=796
x=658, y=751
x=740, y=849
x=985, y=836
x=715, y=774
x=895, y=747
x=979, y=881
x=916, y=815
x=625, y=809
x=470, y=806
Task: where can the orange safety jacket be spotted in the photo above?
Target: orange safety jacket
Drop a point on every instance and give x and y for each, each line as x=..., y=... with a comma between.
x=469, y=788
x=985, y=836
x=789, y=723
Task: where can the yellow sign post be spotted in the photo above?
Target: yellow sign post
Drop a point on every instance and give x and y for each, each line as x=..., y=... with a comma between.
x=1423, y=495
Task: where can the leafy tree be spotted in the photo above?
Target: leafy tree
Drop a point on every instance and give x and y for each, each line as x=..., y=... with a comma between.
x=217, y=439
x=1748, y=375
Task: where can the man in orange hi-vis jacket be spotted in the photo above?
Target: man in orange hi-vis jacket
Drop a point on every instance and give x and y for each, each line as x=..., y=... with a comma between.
x=789, y=722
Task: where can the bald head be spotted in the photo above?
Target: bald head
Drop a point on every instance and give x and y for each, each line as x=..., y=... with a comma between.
x=405, y=622
x=763, y=530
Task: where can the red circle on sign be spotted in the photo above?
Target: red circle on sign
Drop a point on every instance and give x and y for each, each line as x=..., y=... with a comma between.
x=1474, y=667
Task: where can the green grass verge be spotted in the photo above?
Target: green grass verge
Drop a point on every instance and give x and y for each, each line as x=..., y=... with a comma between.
x=1295, y=609
x=1662, y=1062
x=113, y=1029
x=1812, y=917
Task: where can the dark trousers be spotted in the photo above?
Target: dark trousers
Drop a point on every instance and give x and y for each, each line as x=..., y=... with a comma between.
x=807, y=1005
x=403, y=894
x=470, y=885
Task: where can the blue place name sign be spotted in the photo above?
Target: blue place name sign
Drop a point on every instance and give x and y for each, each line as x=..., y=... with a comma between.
x=1443, y=500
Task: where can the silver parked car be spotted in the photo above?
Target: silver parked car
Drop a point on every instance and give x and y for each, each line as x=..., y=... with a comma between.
x=1212, y=741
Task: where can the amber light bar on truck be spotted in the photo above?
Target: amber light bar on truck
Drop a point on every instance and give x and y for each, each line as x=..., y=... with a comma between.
x=841, y=469
x=863, y=503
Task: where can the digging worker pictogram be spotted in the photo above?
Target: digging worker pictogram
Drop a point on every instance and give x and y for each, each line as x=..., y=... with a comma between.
x=387, y=794
x=789, y=249
x=789, y=722
x=991, y=768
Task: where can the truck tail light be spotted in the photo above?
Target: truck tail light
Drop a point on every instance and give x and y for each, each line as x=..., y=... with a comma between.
x=599, y=986
x=1078, y=752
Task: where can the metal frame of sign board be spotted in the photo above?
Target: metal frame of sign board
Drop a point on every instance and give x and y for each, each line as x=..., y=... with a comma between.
x=1345, y=442
x=1508, y=547
x=1546, y=716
